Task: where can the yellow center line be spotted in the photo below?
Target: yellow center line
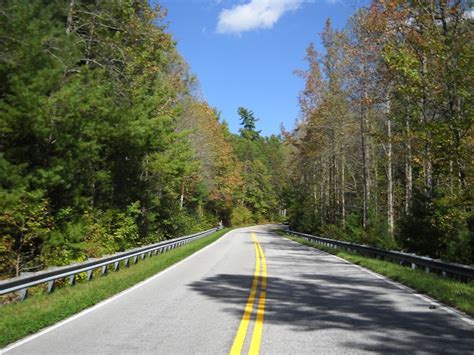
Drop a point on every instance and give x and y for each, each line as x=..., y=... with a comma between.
x=244, y=323
x=258, y=329
x=239, y=340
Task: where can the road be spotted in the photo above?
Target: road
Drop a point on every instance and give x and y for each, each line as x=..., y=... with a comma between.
x=255, y=291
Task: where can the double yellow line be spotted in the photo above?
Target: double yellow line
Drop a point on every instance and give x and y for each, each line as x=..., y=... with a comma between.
x=260, y=267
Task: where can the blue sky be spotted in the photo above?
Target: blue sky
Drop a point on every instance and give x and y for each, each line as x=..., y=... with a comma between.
x=244, y=52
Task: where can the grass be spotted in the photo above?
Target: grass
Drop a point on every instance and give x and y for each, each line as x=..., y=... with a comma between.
x=20, y=319
x=457, y=294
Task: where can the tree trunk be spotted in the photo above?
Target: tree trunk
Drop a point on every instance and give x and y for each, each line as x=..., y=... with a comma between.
x=427, y=166
x=390, y=217
x=364, y=117
x=315, y=197
x=321, y=194
x=70, y=19
x=18, y=265
x=451, y=178
x=181, y=198
x=342, y=159
x=408, y=169
x=90, y=40
x=343, y=190
x=427, y=169
x=333, y=186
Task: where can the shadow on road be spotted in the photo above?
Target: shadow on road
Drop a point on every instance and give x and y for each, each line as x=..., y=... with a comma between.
x=315, y=292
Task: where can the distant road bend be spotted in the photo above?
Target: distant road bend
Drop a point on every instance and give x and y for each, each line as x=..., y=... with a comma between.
x=253, y=291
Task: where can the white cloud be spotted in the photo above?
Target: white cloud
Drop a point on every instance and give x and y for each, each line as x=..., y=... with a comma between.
x=255, y=14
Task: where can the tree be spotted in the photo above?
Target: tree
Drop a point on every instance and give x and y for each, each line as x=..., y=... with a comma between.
x=248, y=124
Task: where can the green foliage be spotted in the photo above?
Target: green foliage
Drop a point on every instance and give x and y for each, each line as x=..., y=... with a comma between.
x=103, y=146
x=263, y=170
x=441, y=228
x=375, y=234
x=303, y=215
x=25, y=223
x=241, y=216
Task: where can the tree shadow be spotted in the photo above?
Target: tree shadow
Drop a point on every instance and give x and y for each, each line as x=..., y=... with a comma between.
x=344, y=298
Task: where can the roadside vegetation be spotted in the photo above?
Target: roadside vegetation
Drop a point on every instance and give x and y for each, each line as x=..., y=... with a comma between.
x=454, y=293
x=18, y=319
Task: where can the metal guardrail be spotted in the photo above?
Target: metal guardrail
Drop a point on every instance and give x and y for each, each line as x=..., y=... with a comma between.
x=460, y=271
x=22, y=283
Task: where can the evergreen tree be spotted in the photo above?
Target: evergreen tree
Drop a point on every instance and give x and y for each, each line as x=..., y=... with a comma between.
x=248, y=121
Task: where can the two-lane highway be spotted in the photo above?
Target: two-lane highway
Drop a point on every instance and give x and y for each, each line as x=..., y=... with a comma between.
x=253, y=291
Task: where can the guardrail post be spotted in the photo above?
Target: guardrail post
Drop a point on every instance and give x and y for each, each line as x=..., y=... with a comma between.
x=50, y=287
x=90, y=274
x=116, y=265
x=23, y=294
x=427, y=270
x=72, y=280
x=127, y=263
x=413, y=266
x=104, y=270
x=142, y=256
x=135, y=259
x=443, y=274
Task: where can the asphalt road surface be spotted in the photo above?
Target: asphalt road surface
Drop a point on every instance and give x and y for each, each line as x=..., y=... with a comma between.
x=253, y=291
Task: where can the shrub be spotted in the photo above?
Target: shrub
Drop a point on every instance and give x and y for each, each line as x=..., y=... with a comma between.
x=241, y=216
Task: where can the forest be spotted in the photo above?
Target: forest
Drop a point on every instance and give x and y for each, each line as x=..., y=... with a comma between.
x=107, y=144
x=383, y=153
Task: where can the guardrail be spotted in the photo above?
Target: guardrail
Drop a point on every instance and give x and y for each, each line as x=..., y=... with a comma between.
x=22, y=283
x=444, y=268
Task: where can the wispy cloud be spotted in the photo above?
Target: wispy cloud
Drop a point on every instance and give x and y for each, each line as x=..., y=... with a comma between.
x=254, y=14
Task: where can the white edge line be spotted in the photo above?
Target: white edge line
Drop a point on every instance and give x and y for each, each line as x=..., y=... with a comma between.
x=415, y=293
x=106, y=301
